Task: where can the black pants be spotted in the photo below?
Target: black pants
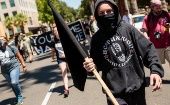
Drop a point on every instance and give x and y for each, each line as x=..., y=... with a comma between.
x=135, y=98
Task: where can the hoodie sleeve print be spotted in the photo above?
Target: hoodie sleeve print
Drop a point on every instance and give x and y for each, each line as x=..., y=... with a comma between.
x=147, y=52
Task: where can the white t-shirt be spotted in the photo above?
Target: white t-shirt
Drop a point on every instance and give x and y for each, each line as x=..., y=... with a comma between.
x=127, y=18
x=8, y=60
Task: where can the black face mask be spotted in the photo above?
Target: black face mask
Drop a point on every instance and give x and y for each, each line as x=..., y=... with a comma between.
x=107, y=21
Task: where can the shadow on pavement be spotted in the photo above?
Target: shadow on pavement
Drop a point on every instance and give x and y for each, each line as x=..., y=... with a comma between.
x=60, y=89
x=42, y=56
x=4, y=84
x=10, y=101
x=165, y=81
x=147, y=79
x=46, y=74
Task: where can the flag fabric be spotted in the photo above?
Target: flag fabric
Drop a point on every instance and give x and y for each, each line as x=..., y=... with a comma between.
x=74, y=52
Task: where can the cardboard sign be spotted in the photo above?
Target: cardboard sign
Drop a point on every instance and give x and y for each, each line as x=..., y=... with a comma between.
x=77, y=29
x=42, y=43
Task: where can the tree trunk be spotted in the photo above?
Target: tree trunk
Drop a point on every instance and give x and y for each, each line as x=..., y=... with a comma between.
x=22, y=29
x=13, y=30
x=134, y=7
x=122, y=6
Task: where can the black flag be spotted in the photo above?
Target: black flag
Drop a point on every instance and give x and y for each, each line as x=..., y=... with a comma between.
x=73, y=51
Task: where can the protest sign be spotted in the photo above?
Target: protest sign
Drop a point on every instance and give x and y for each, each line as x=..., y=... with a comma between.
x=42, y=43
x=77, y=30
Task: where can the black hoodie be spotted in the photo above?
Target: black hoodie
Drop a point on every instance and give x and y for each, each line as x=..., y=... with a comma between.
x=122, y=54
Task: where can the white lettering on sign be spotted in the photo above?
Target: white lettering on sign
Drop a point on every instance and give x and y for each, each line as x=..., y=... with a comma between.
x=80, y=36
x=78, y=32
x=48, y=39
x=34, y=40
x=40, y=49
x=76, y=28
x=41, y=40
x=47, y=49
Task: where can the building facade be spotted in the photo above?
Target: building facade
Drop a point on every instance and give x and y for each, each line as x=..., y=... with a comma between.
x=12, y=7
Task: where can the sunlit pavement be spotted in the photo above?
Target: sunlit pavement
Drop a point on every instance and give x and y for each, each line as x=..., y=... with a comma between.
x=43, y=85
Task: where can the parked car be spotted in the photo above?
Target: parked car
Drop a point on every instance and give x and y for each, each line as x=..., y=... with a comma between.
x=138, y=20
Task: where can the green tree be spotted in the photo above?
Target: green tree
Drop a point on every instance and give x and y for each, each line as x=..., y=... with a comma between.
x=20, y=21
x=45, y=14
x=84, y=9
x=68, y=13
x=143, y=3
x=10, y=24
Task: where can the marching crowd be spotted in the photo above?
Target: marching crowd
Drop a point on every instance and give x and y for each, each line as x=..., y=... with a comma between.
x=117, y=49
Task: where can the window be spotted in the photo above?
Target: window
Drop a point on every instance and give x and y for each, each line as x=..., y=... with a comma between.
x=3, y=5
x=6, y=15
x=30, y=20
x=10, y=31
x=12, y=3
x=14, y=13
x=18, y=29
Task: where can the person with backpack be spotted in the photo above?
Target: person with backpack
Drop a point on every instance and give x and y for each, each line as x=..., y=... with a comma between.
x=156, y=28
x=10, y=67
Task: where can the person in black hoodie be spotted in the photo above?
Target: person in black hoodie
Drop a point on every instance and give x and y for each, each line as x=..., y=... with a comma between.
x=120, y=51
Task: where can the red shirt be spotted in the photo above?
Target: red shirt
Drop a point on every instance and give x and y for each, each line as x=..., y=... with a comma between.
x=153, y=24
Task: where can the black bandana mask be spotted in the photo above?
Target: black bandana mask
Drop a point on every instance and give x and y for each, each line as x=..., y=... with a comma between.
x=107, y=21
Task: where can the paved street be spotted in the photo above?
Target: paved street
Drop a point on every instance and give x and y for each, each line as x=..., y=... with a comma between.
x=43, y=85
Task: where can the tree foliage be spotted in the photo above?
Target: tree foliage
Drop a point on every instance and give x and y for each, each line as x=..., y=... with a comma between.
x=44, y=11
x=9, y=22
x=19, y=20
x=143, y=3
x=45, y=14
x=84, y=9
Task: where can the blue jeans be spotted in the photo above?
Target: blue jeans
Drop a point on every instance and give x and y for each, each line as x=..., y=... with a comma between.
x=13, y=79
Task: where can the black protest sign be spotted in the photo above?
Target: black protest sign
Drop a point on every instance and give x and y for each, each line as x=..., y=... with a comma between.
x=77, y=30
x=42, y=43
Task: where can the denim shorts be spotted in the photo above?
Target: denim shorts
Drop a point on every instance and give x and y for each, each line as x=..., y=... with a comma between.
x=60, y=60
